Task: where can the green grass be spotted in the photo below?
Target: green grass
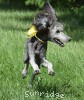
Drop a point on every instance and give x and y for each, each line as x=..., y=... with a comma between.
x=68, y=61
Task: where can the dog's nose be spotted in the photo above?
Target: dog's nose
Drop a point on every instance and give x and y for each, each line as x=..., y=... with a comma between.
x=69, y=40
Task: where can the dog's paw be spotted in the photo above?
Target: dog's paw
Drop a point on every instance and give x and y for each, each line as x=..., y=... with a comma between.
x=37, y=72
x=24, y=73
x=52, y=73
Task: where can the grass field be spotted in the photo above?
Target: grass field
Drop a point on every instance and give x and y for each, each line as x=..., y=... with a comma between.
x=68, y=61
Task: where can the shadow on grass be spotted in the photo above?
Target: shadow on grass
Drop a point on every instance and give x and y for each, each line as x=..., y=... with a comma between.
x=17, y=6
x=22, y=15
x=47, y=89
x=55, y=90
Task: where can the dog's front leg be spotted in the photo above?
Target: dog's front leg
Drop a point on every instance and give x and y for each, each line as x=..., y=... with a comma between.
x=34, y=65
x=49, y=65
x=36, y=70
x=32, y=58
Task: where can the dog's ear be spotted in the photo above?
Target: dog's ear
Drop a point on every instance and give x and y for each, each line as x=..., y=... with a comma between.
x=59, y=25
x=49, y=9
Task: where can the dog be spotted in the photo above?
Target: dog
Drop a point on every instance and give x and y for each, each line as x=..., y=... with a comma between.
x=47, y=28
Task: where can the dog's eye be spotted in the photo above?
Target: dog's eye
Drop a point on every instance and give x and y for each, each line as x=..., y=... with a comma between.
x=57, y=31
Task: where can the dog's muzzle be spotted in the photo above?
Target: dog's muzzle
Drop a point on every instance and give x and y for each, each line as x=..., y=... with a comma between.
x=58, y=42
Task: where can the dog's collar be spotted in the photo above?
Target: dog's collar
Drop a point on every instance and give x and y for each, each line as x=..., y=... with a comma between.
x=32, y=32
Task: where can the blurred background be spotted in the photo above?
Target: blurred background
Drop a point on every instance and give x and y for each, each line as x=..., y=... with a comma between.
x=39, y=3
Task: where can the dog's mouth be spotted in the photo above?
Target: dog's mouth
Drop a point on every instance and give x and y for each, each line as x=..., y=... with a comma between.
x=59, y=42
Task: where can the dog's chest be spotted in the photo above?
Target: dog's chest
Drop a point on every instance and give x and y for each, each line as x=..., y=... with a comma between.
x=40, y=48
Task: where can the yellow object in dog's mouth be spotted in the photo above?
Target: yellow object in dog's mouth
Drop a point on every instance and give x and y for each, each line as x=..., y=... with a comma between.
x=32, y=32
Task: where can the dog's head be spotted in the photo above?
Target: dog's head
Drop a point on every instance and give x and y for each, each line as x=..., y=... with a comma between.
x=57, y=35
x=46, y=22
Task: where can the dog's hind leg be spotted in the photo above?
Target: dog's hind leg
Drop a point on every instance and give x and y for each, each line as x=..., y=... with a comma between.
x=26, y=60
x=26, y=64
x=25, y=70
x=49, y=65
